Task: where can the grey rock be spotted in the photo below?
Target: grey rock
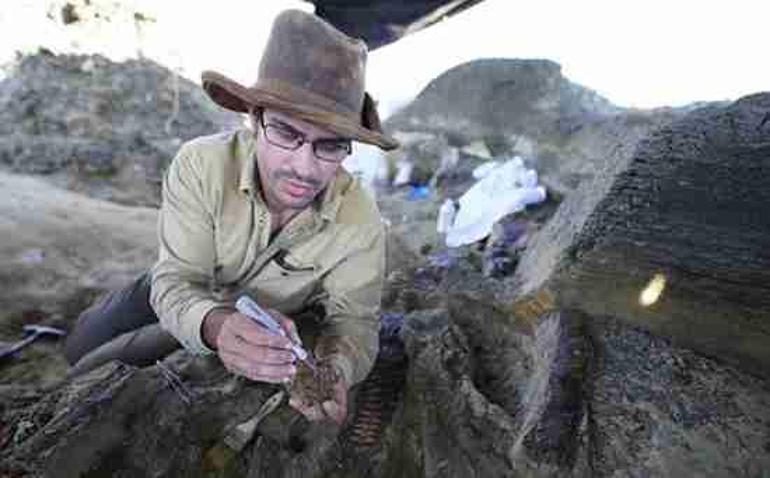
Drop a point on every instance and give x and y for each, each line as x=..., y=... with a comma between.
x=103, y=128
x=494, y=97
x=687, y=203
x=659, y=410
x=133, y=422
x=524, y=107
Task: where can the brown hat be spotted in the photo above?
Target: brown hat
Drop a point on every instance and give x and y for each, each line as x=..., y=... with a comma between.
x=310, y=70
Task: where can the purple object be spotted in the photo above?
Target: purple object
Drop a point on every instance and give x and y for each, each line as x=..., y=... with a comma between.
x=391, y=345
x=390, y=324
x=442, y=259
x=512, y=231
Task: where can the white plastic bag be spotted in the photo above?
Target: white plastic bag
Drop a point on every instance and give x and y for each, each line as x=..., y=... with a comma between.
x=505, y=189
x=403, y=173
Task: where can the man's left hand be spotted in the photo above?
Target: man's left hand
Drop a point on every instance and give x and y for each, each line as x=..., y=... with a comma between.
x=336, y=408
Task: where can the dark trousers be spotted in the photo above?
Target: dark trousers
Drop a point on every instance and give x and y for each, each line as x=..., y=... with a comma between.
x=121, y=326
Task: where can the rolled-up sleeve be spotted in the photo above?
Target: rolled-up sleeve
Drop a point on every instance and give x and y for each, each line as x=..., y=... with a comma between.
x=181, y=278
x=350, y=337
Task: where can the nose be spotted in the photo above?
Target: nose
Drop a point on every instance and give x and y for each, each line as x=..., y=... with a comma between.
x=304, y=162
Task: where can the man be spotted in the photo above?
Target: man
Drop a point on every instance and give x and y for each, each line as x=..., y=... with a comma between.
x=268, y=212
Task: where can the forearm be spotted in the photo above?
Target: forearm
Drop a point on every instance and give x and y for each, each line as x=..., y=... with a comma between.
x=181, y=279
x=182, y=302
x=351, y=328
x=353, y=354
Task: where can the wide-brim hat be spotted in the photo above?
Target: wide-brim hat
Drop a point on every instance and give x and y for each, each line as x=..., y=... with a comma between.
x=310, y=70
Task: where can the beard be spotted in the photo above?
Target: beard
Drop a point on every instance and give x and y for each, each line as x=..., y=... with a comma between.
x=292, y=191
x=292, y=176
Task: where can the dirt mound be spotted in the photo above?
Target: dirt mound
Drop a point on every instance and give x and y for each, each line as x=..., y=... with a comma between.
x=106, y=129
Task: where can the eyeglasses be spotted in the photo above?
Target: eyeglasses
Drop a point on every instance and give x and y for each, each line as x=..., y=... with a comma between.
x=286, y=137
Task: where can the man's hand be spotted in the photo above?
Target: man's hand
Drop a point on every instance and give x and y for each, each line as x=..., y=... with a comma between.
x=335, y=408
x=248, y=349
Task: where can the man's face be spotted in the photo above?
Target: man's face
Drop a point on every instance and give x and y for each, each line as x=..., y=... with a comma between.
x=291, y=179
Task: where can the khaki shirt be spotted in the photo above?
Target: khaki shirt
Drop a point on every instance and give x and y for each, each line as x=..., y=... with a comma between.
x=215, y=244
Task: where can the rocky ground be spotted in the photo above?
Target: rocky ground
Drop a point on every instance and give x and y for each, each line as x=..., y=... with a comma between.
x=485, y=367
x=61, y=250
x=104, y=129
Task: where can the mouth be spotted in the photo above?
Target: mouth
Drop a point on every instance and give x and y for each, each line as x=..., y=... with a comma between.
x=298, y=189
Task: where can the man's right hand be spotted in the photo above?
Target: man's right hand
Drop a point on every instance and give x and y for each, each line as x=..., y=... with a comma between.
x=247, y=349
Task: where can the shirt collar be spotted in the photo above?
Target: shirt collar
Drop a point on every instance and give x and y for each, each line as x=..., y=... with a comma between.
x=325, y=205
x=245, y=152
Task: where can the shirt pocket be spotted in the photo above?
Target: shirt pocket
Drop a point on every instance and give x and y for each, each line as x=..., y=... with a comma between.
x=289, y=265
x=286, y=282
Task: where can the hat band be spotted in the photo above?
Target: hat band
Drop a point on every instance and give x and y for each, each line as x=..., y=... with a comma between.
x=282, y=91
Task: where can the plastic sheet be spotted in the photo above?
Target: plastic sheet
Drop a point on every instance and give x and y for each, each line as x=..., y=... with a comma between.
x=503, y=190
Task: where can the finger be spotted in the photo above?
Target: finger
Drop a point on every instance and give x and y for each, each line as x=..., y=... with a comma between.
x=258, y=353
x=257, y=371
x=337, y=408
x=255, y=334
x=334, y=411
x=235, y=344
x=341, y=395
x=288, y=325
x=301, y=403
x=296, y=403
x=311, y=412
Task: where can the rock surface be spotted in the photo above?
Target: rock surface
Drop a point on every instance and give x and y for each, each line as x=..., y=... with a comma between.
x=687, y=204
x=106, y=129
x=492, y=97
x=524, y=107
x=473, y=377
x=483, y=393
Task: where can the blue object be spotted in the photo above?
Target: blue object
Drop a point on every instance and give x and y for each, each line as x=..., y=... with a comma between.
x=418, y=191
